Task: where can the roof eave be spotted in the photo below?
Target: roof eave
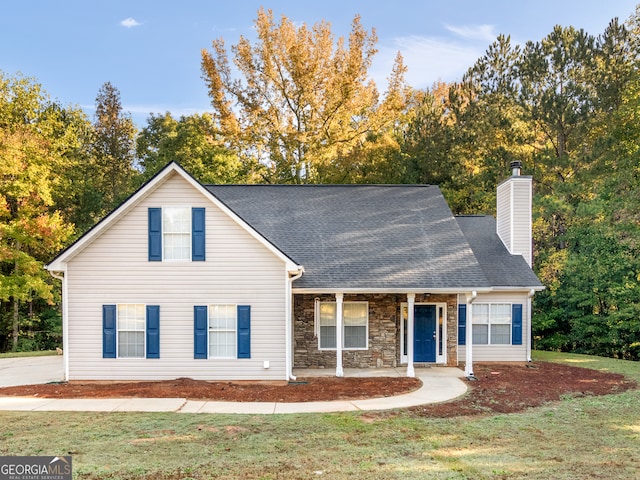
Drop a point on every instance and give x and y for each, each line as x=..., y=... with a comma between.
x=404, y=290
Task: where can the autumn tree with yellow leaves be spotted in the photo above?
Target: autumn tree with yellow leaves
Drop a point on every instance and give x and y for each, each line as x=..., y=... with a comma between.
x=305, y=100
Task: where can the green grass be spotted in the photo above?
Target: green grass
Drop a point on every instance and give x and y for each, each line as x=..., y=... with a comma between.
x=577, y=438
x=41, y=353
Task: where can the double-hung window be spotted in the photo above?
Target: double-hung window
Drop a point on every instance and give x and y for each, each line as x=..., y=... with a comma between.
x=222, y=331
x=355, y=325
x=492, y=323
x=130, y=330
x=176, y=233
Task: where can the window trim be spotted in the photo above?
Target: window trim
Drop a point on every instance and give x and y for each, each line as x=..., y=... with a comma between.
x=317, y=324
x=235, y=330
x=144, y=331
x=189, y=214
x=489, y=323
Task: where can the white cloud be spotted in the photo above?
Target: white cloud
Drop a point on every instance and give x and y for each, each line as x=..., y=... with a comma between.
x=434, y=58
x=130, y=23
x=484, y=33
x=428, y=60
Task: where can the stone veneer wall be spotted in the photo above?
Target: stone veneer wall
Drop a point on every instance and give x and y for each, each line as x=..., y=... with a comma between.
x=384, y=331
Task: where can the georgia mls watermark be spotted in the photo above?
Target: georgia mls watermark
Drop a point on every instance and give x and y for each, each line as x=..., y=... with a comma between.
x=35, y=468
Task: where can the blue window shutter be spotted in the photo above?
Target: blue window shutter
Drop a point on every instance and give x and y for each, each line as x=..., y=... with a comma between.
x=108, y=331
x=516, y=324
x=244, y=331
x=462, y=324
x=200, y=335
x=155, y=234
x=198, y=234
x=153, y=331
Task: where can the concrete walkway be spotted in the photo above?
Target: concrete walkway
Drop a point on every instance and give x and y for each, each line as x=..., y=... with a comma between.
x=438, y=384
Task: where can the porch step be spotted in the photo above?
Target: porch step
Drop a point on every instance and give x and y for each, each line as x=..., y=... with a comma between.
x=422, y=365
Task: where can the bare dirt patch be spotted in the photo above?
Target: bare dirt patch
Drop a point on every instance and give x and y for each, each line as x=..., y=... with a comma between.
x=499, y=388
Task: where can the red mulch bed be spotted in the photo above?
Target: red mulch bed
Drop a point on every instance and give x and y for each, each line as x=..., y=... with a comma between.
x=510, y=388
x=303, y=390
x=499, y=388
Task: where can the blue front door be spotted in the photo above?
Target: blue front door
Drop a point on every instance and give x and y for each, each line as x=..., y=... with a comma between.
x=424, y=333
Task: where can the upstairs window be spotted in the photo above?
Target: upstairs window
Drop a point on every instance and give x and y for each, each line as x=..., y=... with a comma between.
x=176, y=233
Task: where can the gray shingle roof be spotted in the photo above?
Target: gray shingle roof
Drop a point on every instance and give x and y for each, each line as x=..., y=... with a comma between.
x=365, y=236
x=500, y=267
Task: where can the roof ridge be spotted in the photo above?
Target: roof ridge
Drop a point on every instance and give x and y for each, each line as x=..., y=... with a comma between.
x=314, y=185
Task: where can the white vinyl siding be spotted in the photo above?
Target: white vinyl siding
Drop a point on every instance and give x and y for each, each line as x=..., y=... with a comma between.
x=513, y=219
x=499, y=352
x=114, y=269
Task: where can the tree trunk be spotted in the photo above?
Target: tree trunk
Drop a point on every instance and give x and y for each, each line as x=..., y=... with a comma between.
x=16, y=310
x=16, y=324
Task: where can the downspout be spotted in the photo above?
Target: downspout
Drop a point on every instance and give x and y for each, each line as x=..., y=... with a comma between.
x=289, y=323
x=65, y=321
x=530, y=318
x=468, y=364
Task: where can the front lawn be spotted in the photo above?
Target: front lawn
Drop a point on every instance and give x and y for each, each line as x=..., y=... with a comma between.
x=575, y=438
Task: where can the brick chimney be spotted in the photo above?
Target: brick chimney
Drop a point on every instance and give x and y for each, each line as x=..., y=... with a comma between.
x=514, y=203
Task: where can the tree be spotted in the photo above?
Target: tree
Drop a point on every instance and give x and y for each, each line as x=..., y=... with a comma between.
x=588, y=234
x=30, y=230
x=194, y=142
x=113, y=148
x=558, y=94
x=304, y=103
x=487, y=128
x=427, y=138
x=76, y=194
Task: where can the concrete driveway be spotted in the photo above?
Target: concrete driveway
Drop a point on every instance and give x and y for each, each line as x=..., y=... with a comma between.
x=31, y=370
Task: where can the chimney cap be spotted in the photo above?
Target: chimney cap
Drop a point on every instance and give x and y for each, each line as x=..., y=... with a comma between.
x=516, y=164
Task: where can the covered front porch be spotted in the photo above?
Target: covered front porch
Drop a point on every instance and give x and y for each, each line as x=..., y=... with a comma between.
x=393, y=333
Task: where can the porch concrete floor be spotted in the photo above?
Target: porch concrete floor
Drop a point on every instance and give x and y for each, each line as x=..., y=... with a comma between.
x=379, y=372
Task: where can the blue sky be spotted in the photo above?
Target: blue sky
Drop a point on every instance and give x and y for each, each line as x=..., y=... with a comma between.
x=150, y=50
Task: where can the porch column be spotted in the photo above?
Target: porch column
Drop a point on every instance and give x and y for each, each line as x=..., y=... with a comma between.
x=339, y=371
x=411, y=301
x=468, y=364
